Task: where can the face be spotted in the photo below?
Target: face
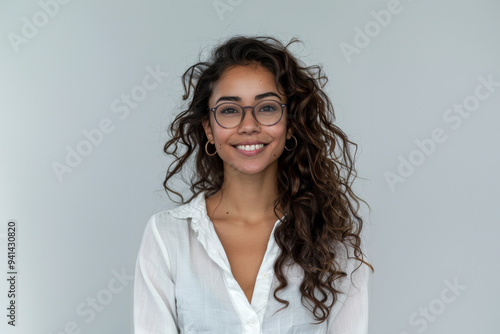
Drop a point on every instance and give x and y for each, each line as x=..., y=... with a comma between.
x=247, y=85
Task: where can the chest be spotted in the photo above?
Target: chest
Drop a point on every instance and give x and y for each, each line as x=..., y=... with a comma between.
x=245, y=250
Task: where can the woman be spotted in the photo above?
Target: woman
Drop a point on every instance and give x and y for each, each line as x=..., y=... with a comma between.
x=269, y=241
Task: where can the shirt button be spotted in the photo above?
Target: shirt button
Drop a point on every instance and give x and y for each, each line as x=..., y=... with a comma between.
x=266, y=275
x=253, y=322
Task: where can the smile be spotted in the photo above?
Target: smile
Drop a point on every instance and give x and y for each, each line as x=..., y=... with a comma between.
x=249, y=147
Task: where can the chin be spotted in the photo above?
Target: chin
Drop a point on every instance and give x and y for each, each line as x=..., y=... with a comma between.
x=252, y=170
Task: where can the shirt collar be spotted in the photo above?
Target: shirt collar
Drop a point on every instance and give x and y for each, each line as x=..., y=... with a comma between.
x=196, y=213
x=196, y=209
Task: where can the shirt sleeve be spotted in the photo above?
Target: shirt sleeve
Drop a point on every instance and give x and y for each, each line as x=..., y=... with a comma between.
x=352, y=317
x=154, y=287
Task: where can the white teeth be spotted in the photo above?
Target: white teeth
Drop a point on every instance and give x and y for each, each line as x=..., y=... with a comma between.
x=249, y=147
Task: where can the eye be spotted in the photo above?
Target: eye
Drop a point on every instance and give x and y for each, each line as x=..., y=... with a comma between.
x=269, y=107
x=228, y=110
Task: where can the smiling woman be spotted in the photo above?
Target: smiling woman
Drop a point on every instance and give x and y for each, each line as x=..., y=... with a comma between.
x=269, y=241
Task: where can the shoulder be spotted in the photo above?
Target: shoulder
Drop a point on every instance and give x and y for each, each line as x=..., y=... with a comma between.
x=177, y=220
x=166, y=222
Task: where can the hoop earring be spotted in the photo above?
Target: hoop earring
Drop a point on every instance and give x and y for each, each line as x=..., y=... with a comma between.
x=293, y=148
x=206, y=150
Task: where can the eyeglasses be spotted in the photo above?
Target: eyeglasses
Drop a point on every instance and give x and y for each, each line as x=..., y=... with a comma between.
x=229, y=115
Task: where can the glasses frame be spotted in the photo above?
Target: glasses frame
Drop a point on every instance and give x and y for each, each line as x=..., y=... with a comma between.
x=214, y=109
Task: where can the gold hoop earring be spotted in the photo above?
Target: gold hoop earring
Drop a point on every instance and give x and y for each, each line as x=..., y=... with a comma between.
x=206, y=150
x=293, y=148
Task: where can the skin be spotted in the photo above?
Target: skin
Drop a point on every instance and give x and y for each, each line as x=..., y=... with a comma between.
x=242, y=211
x=256, y=174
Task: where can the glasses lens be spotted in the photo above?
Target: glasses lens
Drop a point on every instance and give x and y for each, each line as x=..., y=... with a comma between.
x=228, y=114
x=268, y=112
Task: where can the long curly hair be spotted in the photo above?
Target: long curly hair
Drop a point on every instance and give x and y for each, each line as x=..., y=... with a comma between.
x=314, y=180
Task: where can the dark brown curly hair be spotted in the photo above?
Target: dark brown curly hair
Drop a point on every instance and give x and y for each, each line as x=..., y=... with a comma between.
x=314, y=180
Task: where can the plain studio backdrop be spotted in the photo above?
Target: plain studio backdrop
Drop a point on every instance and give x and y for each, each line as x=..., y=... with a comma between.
x=88, y=88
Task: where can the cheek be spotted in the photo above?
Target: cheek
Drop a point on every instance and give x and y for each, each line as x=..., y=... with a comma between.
x=219, y=139
x=280, y=135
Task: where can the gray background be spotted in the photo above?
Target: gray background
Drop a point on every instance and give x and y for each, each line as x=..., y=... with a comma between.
x=436, y=226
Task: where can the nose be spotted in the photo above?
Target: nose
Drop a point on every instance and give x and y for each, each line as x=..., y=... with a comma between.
x=248, y=124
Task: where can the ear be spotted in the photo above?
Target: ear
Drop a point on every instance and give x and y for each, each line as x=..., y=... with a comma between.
x=289, y=133
x=208, y=130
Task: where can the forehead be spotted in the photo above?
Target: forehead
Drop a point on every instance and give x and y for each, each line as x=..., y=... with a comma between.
x=244, y=81
x=238, y=70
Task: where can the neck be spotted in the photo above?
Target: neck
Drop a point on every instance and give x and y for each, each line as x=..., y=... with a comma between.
x=248, y=199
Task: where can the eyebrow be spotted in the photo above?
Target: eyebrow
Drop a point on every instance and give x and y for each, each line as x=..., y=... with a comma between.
x=238, y=99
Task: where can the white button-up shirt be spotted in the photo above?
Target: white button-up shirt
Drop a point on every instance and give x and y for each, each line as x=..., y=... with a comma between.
x=184, y=284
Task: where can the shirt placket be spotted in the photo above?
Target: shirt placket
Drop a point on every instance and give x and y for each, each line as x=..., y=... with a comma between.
x=249, y=318
x=251, y=315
